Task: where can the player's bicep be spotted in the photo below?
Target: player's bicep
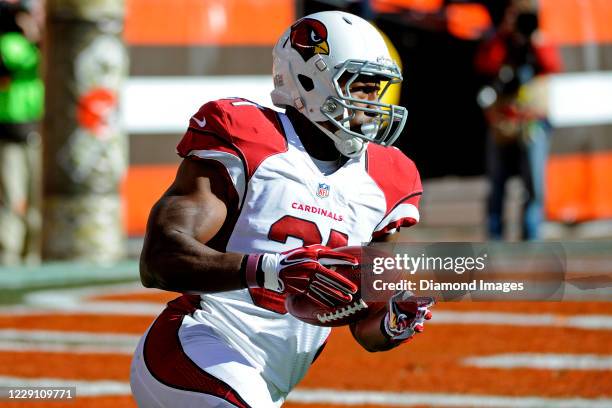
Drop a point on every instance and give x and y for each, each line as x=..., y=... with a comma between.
x=176, y=255
x=188, y=214
x=197, y=201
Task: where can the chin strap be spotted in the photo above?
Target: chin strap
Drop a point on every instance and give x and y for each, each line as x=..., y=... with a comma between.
x=347, y=146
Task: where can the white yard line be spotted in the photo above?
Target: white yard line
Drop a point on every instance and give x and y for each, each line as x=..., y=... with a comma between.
x=116, y=309
x=72, y=296
x=545, y=361
x=83, y=388
x=340, y=397
x=587, y=322
x=93, y=308
x=595, y=322
x=13, y=346
x=56, y=336
x=408, y=399
x=75, y=300
x=101, y=308
x=60, y=273
x=67, y=342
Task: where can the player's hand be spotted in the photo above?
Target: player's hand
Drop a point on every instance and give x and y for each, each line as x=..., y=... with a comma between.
x=406, y=315
x=306, y=270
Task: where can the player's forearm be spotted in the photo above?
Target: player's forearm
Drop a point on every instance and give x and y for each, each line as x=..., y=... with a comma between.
x=178, y=262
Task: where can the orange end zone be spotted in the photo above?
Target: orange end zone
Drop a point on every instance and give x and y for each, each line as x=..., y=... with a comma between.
x=65, y=365
x=198, y=22
x=79, y=402
x=432, y=362
x=94, y=323
x=146, y=295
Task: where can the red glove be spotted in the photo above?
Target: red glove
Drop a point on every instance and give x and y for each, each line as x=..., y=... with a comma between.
x=303, y=270
x=406, y=315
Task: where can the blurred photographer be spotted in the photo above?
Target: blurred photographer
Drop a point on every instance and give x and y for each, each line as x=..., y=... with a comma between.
x=514, y=62
x=21, y=108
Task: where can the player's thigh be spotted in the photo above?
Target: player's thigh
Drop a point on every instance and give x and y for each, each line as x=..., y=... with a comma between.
x=148, y=392
x=212, y=354
x=183, y=363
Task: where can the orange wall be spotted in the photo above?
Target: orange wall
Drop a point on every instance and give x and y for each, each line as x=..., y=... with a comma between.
x=577, y=21
x=423, y=6
x=207, y=22
x=579, y=187
x=142, y=187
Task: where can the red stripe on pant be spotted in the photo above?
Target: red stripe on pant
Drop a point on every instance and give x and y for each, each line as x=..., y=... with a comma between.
x=168, y=363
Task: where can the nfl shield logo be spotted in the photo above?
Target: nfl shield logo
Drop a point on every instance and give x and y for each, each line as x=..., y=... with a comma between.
x=323, y=190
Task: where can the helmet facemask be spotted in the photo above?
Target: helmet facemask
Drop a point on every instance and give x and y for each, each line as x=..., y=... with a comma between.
x=387, y=120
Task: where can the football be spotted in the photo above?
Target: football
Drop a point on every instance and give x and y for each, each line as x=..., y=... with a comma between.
x=304, y=309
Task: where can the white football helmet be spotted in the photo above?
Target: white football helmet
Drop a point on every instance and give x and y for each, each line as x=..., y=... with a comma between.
x=309, y=61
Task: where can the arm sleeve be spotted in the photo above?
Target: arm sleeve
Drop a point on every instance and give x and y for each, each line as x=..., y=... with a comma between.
x=402, y=192
x=208, y=139
x=405, y=214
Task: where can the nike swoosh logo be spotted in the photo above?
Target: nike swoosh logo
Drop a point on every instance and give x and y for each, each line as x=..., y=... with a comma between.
x=201, y=123
x=286, y=262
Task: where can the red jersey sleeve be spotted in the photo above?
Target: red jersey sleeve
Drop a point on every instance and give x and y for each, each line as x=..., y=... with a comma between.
x=399, y=180
x=236, y=133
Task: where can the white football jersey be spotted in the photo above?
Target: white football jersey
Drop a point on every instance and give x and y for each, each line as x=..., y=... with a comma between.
x=278, y=199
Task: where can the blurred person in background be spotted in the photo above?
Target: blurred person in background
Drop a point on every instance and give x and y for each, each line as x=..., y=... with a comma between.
x=514, y=62
x=21, y=108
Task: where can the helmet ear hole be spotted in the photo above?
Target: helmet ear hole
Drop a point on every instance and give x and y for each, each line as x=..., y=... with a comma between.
x=306, y=82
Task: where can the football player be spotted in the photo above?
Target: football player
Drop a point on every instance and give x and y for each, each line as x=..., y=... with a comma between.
x=260, y=200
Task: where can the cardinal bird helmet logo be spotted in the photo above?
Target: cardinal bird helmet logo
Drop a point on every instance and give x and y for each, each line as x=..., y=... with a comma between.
x=309, y=37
